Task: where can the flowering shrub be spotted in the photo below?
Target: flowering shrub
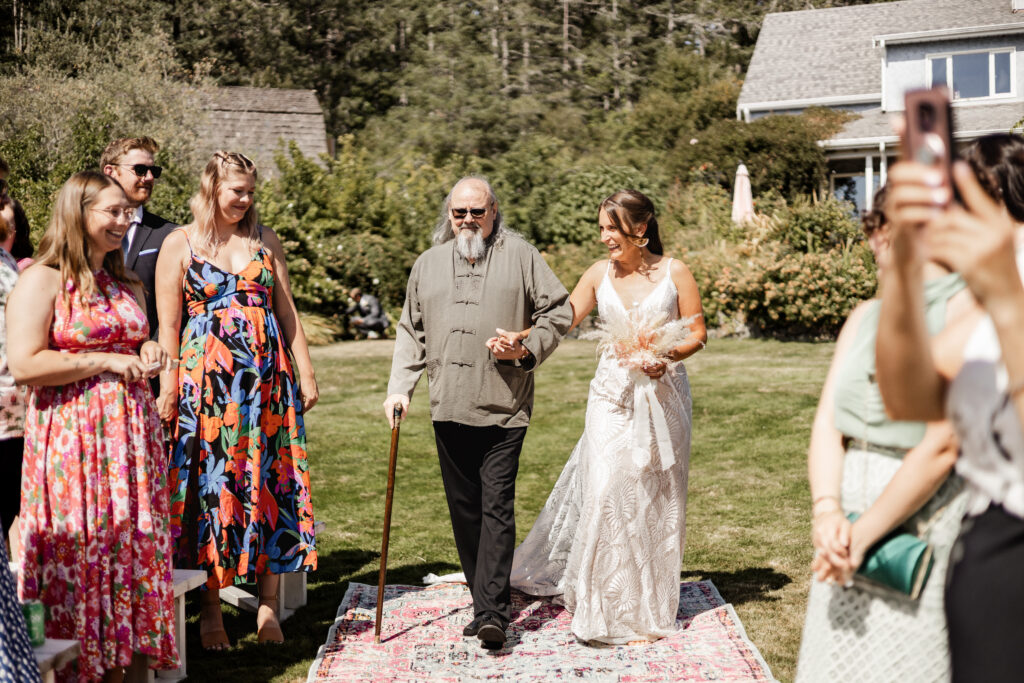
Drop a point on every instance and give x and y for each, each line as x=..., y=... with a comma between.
x=795, y=274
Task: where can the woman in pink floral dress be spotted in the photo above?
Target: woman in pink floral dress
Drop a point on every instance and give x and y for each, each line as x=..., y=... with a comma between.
x=94, y=499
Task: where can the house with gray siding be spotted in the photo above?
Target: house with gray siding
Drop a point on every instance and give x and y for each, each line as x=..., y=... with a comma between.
x=864, y=58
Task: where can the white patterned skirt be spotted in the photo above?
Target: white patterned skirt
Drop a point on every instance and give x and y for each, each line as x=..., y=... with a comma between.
x=869, y=633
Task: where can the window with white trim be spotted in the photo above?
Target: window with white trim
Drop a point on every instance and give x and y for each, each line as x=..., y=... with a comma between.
x=974, y=75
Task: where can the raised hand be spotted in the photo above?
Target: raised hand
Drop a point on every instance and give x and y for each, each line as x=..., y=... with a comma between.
x=976, y=239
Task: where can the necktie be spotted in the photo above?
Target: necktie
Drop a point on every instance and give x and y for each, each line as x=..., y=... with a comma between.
x=126, y=242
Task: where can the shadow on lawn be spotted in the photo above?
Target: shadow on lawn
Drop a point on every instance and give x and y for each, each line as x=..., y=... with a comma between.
x=305, y=631
x=744, y=585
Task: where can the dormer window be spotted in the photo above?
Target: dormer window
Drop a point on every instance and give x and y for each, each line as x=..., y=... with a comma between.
x=973, y=75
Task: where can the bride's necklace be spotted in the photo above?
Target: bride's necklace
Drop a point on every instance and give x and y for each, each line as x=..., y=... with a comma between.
x=643, y=269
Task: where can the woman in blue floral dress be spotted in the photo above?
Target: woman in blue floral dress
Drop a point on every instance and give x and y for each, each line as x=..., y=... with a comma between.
x=240, y=497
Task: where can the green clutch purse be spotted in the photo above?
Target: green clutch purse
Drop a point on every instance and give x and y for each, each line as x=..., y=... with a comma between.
x=900, y=561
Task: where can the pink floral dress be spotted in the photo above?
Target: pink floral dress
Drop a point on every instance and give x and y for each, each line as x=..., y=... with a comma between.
x=94, y=497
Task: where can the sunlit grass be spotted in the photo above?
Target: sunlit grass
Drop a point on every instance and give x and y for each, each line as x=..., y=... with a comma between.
x=747, y=517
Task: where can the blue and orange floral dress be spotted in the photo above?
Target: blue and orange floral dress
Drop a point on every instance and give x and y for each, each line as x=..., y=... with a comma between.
x=240, y=498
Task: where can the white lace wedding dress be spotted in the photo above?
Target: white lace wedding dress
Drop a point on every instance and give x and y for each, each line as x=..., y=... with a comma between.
x=610, y=537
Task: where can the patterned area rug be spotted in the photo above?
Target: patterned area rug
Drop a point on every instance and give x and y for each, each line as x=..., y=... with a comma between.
x=421, y=640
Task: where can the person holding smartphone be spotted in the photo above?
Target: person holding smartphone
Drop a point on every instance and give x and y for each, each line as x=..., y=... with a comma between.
x=892, y=474
x=965, y=375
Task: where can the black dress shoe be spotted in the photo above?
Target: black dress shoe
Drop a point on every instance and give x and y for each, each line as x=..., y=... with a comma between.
x=473, y=627
x=491, y=634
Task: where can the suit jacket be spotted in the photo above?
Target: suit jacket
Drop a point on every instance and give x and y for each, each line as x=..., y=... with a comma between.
x=141, y=259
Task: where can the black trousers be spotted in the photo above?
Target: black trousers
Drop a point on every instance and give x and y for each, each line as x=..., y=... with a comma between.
x=479, y=466
x=11, y=453
x=985, y=599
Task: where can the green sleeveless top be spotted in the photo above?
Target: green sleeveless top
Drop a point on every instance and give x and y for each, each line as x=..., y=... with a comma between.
x=860, y=413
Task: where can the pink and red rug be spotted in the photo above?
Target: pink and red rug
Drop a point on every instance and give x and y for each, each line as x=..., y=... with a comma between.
x=421, y=640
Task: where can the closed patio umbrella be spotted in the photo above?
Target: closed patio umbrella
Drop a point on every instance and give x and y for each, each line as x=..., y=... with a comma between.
x=742, y=197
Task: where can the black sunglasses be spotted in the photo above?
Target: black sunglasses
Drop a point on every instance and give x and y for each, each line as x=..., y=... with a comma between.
x=477, y=213
x=142, y=169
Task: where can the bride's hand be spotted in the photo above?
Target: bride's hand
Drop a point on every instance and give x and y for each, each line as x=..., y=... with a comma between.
x=655, y=370
x=507, y=345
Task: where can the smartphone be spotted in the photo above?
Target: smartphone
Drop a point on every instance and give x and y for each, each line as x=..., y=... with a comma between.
x=928, y=137
x=173, y=363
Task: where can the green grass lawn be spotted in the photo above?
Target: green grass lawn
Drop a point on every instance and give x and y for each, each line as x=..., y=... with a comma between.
x=748, y=521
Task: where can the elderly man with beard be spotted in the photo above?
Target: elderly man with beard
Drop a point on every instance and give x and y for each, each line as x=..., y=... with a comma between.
x=479, y=280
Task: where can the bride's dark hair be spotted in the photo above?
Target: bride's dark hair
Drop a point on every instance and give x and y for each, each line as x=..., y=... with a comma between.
x=628, y=210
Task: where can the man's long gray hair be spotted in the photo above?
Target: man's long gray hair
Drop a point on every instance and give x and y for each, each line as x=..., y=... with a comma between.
x=443, y=229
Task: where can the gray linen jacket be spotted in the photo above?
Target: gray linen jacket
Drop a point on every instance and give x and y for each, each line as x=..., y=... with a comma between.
x=452, y=307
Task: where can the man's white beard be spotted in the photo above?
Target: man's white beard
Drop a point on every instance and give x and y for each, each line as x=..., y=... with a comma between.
x=471, y=245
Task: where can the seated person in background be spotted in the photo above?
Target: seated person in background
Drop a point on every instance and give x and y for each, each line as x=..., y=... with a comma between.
x=366, y=315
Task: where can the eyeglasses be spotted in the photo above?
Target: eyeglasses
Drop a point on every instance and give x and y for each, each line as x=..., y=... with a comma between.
x=118, y=212
x=142, y=169
x=475, y=212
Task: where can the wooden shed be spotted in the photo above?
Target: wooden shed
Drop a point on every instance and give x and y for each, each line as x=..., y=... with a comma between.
x=254, y=121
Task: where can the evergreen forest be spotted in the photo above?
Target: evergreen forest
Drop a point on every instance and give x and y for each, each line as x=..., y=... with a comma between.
x=558, y=103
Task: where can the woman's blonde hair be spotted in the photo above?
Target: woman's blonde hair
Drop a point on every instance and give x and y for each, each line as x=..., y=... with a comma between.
x=204, y=202
x=65, y=245
x=5, y=229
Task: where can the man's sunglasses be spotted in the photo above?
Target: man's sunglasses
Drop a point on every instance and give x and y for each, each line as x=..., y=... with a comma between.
x=142, y=169
x=477, y=213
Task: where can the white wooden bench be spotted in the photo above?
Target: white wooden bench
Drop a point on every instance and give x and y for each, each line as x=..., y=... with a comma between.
x=184, y=581
x=55, y=654
x=291, y=592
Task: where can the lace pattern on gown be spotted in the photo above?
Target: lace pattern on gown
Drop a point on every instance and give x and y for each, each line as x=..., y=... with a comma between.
x=610, y=537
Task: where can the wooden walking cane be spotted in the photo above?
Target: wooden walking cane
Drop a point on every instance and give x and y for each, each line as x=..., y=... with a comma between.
x=388, y=498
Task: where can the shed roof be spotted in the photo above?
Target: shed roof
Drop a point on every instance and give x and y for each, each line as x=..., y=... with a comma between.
x=830, y=53
x=254, y=121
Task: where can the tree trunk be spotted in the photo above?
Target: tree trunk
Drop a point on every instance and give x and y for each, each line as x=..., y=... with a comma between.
x=18, y=15
x=525, y=75
x=616, y=61
x=671, y=22
x=565, y=41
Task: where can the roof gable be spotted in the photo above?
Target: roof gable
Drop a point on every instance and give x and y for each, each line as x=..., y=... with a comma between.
x=830, y=53
x=253, y=121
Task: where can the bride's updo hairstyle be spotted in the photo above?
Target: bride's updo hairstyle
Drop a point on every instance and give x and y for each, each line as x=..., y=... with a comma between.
x=628, y=210
x=998, y=163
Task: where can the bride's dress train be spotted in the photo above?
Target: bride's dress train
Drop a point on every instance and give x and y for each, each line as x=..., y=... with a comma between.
x=610, y=537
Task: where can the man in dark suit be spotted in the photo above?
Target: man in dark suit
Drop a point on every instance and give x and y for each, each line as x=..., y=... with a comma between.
x=129, y=161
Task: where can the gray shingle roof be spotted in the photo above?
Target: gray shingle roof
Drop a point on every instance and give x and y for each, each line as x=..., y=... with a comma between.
x=969, y=122
x=829, y=52
x=254, y=120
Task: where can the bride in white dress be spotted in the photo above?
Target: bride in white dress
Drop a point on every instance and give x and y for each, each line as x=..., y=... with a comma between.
x=610, y=537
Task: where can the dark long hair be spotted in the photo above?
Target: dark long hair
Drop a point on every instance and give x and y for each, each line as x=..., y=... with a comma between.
x=628, y=210
x=998, y=162
x=22, y=247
